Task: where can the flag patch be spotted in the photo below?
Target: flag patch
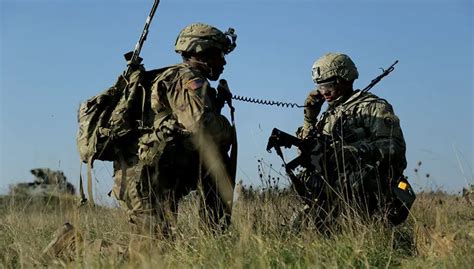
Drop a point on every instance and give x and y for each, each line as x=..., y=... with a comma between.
x=195, y=84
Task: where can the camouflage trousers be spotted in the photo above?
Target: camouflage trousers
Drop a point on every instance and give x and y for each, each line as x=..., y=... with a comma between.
x=150, y=194
x=362, y=191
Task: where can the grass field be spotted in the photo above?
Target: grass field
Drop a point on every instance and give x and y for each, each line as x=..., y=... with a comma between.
x=438, y=234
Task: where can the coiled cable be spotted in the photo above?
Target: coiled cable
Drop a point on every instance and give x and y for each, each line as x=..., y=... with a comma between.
x=265, y=102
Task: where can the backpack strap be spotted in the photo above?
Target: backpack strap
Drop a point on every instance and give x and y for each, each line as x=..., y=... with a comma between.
x=123, y=180
x=84, y=200
x=81, y=188
x=89, y=180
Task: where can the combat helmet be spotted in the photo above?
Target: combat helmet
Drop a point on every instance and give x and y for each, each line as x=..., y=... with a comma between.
x=333, y=65
x=198, y=37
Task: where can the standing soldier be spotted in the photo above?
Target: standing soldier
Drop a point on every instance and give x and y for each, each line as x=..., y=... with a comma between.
x=186, y=138
x=366, y=155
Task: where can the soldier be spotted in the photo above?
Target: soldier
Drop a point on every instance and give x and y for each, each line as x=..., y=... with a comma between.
x=367, y=149
x=186, y=141
x=183, y=145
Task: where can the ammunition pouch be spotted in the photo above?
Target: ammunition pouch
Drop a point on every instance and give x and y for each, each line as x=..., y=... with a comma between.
x=402, y=198
x=149, y=148
x=168, y=138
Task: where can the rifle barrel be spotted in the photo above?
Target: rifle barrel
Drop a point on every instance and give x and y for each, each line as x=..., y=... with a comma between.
x=379, y=78
x=143, y=36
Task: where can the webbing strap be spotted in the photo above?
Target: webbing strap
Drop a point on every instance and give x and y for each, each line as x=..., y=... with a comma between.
x=89, y=180
x=233, y=157
x=81, y=188
x=123, y=179
x=233, y=151
x=143, y=104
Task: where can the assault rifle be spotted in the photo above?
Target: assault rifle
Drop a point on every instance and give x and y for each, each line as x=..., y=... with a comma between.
x=279, y=139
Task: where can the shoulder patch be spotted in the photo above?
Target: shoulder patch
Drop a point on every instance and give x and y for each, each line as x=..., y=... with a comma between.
x=195, y=84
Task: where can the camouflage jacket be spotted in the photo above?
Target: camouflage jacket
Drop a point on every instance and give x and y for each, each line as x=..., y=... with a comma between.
x=364, y=118
x=182, y=101
x=185, y=92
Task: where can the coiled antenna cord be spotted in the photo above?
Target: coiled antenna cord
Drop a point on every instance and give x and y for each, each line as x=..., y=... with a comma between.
x=376, y=80
x=265, y=102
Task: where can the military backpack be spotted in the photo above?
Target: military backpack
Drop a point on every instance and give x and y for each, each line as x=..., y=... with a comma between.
x=113, y=116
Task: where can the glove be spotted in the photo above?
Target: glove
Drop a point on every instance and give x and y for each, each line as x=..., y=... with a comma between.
x=349, y=153
x=313, y=105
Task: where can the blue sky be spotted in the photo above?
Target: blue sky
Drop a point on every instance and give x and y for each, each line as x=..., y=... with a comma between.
x=56, y=54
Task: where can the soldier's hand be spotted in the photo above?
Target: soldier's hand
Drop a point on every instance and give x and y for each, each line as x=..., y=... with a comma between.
x=369, y=152
x=345, y=156
x=315, y=98
x=313, y=105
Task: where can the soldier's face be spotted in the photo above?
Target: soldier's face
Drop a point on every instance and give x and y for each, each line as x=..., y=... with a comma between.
x=331, y=91
x=216, y=62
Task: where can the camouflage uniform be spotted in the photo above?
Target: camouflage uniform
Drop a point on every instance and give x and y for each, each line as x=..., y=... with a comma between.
x=364, y=120
x=367, y=149
x=183, y=125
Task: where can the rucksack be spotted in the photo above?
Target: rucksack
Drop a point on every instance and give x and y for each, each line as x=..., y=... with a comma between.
x=111, y=116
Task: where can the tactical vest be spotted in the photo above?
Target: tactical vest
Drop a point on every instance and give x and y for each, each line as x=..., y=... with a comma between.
x=334, y=120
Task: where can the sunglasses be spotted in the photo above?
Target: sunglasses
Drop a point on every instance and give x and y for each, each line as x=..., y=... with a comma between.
x=327, y=87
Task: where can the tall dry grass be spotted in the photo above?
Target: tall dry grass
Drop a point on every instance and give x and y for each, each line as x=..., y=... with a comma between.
x=439, y=233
